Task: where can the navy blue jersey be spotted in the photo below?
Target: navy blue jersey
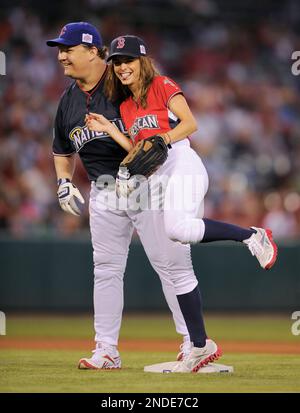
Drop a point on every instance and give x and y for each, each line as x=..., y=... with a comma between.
x=99, y=153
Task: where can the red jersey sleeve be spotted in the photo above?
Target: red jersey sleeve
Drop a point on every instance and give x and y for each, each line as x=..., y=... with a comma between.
x=166, y=88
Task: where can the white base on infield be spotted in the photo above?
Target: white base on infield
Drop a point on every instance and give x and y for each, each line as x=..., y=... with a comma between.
x=167, y=368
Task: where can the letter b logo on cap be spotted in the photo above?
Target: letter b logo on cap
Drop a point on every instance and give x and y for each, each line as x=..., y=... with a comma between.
x=121, y=43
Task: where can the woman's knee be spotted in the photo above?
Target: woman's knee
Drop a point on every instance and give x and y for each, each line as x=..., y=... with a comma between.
x=186, y=231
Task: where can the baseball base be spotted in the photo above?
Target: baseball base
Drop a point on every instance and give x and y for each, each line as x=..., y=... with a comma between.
x=167, y=368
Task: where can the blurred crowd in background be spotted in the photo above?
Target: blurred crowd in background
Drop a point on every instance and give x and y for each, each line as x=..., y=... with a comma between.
x=233, y=62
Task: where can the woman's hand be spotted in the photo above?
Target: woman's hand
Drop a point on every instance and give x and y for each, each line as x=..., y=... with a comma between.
x=98, y=123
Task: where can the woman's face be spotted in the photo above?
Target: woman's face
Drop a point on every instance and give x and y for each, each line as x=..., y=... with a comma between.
x=127, y=69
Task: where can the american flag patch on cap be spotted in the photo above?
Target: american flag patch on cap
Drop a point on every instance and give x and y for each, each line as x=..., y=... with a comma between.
x=87, y=38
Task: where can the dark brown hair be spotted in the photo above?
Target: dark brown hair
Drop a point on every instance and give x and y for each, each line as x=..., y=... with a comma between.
x=102, y=53
x=114, y=89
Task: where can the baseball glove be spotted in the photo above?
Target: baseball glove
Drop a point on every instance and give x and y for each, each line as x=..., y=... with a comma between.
x=146, y=156
x=143, y=160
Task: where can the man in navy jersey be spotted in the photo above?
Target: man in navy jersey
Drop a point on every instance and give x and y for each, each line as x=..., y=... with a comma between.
x=82, y=55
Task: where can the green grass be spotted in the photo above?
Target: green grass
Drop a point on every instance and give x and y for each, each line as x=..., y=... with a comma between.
x=55, y=371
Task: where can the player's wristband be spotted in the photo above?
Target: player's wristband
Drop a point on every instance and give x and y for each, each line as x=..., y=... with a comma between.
x=61, y=181
x=164, y=136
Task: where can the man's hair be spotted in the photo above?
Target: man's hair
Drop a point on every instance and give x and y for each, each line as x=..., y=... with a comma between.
x=102, y=53
x=114, y=89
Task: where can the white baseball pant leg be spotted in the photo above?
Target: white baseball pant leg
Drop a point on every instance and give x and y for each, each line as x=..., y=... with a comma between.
x=111, y=232
x=184, y=196
x=171, y=260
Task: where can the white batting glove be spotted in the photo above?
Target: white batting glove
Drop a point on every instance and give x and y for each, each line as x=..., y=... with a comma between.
x=125, y=184
x=70, y=199
x=122, y=182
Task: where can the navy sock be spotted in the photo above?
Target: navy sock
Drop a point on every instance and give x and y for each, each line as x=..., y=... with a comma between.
x=191, y=308
x=221, y=231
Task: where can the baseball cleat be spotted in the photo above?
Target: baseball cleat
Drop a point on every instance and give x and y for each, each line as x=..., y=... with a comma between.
x=262, y=245
x=184, y=350
x=105, y=357
x=198, y=357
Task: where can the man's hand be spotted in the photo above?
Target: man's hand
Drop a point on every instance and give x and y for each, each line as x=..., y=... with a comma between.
x=125, y=184
x=70, y=199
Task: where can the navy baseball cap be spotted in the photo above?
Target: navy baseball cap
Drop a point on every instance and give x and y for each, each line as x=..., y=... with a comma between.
x=73, y=34
x=127, y=45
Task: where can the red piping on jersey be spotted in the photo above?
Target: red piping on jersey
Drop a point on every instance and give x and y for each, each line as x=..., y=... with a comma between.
x=178, y=92
x=89, y=94
x=174, y=94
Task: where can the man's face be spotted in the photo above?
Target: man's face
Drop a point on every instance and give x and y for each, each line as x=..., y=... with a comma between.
x=75, y=60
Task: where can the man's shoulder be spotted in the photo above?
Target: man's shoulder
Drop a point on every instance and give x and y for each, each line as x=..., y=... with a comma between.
x=66, y=99
x=68, y=93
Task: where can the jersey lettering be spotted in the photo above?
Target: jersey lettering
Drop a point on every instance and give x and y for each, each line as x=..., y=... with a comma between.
x=80, y=135
x=144, y=122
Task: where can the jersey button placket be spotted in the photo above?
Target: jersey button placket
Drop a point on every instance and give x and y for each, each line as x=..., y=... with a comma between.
x=88, y=101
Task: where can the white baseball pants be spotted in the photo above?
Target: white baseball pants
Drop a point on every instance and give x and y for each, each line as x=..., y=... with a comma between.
x=111, y=232
x=112, y=228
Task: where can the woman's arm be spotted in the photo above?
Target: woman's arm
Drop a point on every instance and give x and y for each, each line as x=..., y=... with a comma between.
x=99, y=123
x=178, y=105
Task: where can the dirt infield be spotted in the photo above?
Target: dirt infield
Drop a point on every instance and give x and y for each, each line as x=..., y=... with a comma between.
x=146, y=345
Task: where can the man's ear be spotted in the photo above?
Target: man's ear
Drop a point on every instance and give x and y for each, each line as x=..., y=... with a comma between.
x=93, y=52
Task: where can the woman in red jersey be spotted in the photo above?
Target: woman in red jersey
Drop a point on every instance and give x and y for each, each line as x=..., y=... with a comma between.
x=151, y=105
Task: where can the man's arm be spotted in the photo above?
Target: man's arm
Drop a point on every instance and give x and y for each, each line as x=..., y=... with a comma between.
x=64, y=166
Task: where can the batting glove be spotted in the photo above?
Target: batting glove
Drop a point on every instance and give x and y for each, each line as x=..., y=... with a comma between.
x=70, y=199
x=124, y=183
